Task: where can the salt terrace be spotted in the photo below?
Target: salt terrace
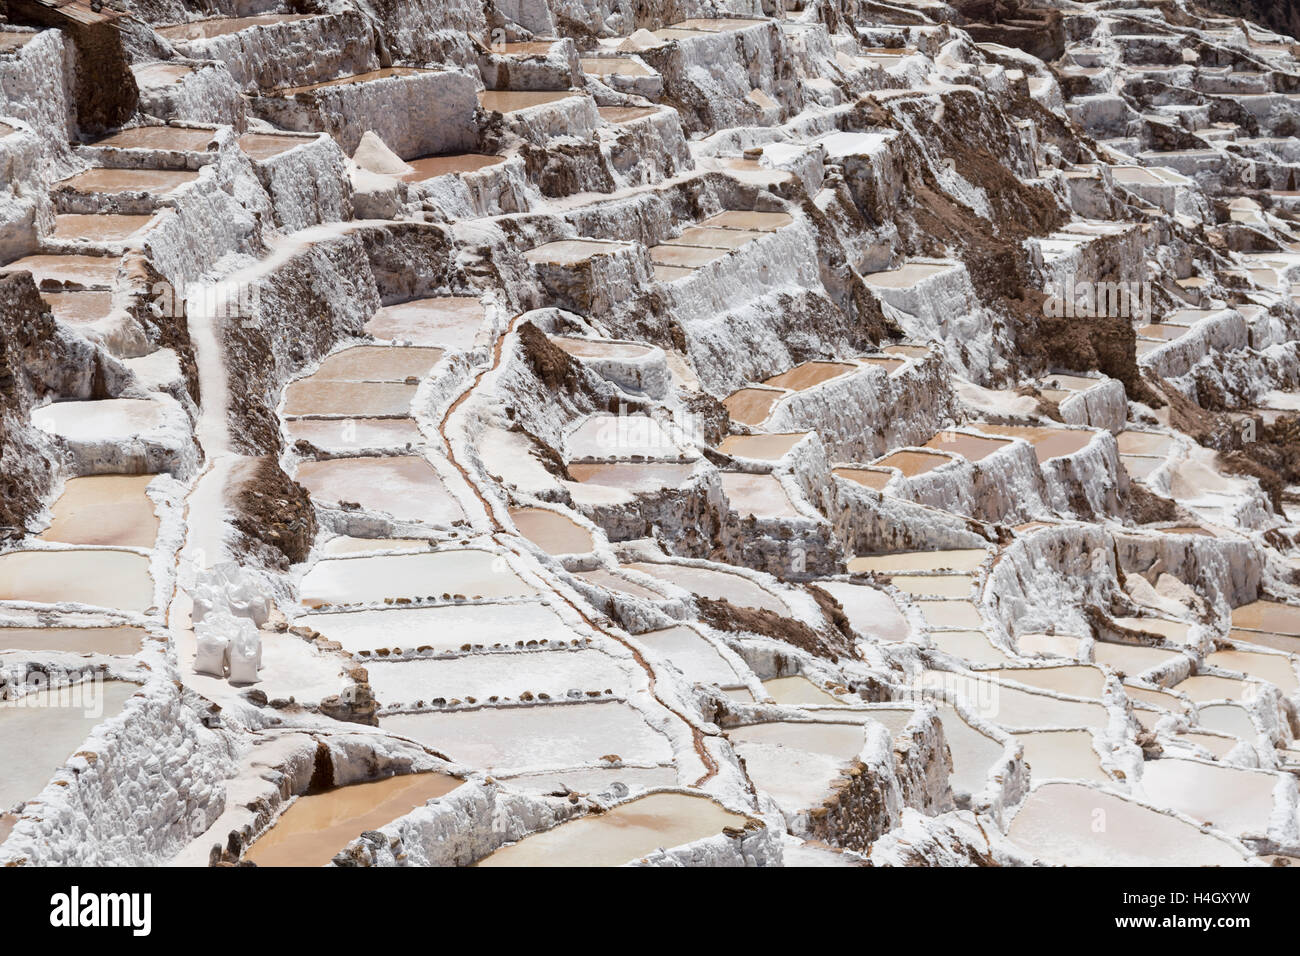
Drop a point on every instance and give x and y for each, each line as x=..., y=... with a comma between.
x=480, y=441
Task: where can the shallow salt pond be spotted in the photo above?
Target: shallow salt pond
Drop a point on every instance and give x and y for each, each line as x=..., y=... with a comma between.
x=100, y=577
x=40, y=731
x=1203, y=688
x=625, y=833
x=352, y=434
x=73, y=270
x=404, y=486
x=346, y=544
x=430, y=167
x=551, y=531
x=1144, y=443
x=794, y=691
x=1176, y=631
x=760, y=495
x=1215, y=744
x=1234, y=800
x=964, y=559
x=760, y=447
x=447, y=322
x=909, y=275
x=508, y=676
x=971, y=447
x=1048, y=645
x=616, y=582
x=181, y=138
x=1131, y=659
x=550, y=736
x=751, y=406
x=1014, y=708
x=913, y=463
x=260, y=147
x=796, y=762
x=935, y=585
x=1281, y=642
x=1231, y=719
x=1048, y=442
x=874, y=479
x=973, y=647
x=604, y=436
x=748, y=220
x=1273, y=668
x=809, y=374
x=78, y=640
x=633, y=476
x=105, y=228
x=107, y=419
x=685, y=257
x=159, y=182
x=713, y=237
x=317, y=826
x=1062, y=753
x=1267, y=616
x=377, y=363
x=962, y=614
x=222, y=26
x=464, y=571
x=79, y=308
x=1074, y=825
x=311, y=397
x=440, y=629
x=104, y=510
x=1077, y=680
x=714, y=584
x=694, y=656
x=600, y=348
x=871, y=612
x=504, y=101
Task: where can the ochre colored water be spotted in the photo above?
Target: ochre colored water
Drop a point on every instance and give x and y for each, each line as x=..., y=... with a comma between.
x=913, y=463
x=106, y=227
x=86, y=271
x=625, y=114
x=685, y=257
x=937, y=585
x=159, y=182
x=404, y=486
x=223, y=26
x=432, y=166
x=263, y=146
x=809, y=374
x=1268, y=616
x=616, y=582
x=349, y=399
x=570, y=252
x=712, y=237
x=178, y=138
x=867, y=477
x=368, y=77
x=554, y=533
x=627, y=832
x=751, y=406
x=1143, y=443
x=749, y=220
x=77, y=640
x=113, y=579
x=762, y=447
x=377, y=363
x=798, y=690
x=104, y=509
x=1048, y=442
x=79, y=307
x=504, y=101
x=971, y=447
x=909, y=275
x=633, y=477
x=965, y=559
x=319, y=825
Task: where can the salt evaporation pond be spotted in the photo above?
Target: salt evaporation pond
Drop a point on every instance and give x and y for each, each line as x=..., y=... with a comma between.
x=796, y=762
x=77, y=640
x=451, y=322
x=751, y=406
x=508, y=676
x=1230, y=719
x=1234, y=800
x=1070, y=824
x=961, y=614
x=110, y=419
x=317, y=826
x=694, y=656
x=709, y=583
x=974, y=647
x=761, y=447
x=365, y=580
x=610, y=581
x=795, y=691
x=965, y=559
x=543, y=736
x=913, y=463
x=440, y=629
x=809, y=374
x=1048, y=442
x=104, y=510
x=872, y=478
x=101, y=577
x=1062, y=753
x=551, y=531
x=40, y=731
x=322, y=398
x=762, y=496
x=870, y=611
x=1274, y=668
x=404, y=486
x=935, y=585
x=621, y=835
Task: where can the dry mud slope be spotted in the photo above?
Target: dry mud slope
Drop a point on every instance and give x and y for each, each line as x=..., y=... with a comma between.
x=683, y=432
